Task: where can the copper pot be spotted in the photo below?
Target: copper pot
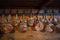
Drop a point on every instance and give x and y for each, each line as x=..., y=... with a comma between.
x=49, y=27
x=7, y=28
x=39, y=26
x=22, y=27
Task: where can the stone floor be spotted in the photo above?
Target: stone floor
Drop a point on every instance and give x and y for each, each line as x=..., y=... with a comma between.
x=31, y=35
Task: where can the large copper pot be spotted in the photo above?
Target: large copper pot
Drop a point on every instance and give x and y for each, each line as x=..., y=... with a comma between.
x=15, y=23
x=22, y=26
x=31, y=22
x=7, y=28
x=49, y=27
x=39, y=26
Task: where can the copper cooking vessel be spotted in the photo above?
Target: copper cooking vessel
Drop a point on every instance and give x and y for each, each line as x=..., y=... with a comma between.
x=7, y=28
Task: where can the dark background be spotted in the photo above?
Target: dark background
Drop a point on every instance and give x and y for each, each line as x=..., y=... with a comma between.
x=29, y=3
